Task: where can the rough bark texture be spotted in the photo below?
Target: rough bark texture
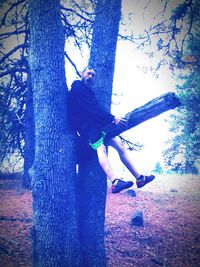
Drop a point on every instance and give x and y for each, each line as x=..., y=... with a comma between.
x=150, y=110
x=92, y=196
x=55, y=239
x=29, y=148
x=103, y=48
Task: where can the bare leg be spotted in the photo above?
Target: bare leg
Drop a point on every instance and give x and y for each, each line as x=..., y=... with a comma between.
x=117, y=184
x=104, y=162
x=117, y=144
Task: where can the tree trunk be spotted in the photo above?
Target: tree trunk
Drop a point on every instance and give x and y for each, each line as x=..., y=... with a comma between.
x=93, y=182
x=29, y=138
x=55, y=238
x=91, y=198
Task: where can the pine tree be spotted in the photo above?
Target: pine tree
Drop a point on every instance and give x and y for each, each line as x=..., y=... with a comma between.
x=183, y=154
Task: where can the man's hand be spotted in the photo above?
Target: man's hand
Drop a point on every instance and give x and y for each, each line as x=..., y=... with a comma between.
x=119, y=120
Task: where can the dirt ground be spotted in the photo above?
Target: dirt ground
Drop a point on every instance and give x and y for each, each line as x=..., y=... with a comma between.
x=170, y=235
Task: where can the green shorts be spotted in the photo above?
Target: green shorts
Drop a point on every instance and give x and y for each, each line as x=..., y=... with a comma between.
x=99, y=142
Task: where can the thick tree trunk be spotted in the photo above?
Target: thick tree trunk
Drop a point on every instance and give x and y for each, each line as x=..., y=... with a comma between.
x=92, y=194
x=55, y=238
x=29, y=148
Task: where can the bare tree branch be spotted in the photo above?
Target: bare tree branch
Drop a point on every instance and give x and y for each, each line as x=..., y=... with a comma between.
x=16, y=48
x=73, y=64
x=13, y=5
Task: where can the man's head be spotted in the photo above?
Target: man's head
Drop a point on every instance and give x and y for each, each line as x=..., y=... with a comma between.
x=87, y=76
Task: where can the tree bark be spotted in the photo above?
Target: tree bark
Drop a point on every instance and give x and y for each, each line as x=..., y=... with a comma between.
x=150, y=110
x=91, y=198
x=93, y=182
x=55, y=234
x=29, y=135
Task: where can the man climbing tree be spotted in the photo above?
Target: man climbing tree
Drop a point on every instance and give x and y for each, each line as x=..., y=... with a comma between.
x=94, y=126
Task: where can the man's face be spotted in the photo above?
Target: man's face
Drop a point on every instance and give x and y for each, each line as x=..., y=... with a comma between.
x=88, y=76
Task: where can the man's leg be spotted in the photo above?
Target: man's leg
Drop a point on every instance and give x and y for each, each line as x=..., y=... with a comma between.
x=117, y=144
x=117, y=184
x=104, y=162
x=141, y=180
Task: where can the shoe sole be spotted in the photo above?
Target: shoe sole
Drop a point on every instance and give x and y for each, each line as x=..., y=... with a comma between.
x=142, y=185
x=120, y=189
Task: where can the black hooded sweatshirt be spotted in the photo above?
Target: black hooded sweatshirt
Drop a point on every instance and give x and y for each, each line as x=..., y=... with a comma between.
x=85, y=113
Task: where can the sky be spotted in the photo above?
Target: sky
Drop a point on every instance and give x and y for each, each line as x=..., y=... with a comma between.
x=135, y=88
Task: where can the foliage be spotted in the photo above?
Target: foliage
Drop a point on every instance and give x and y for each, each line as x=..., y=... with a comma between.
x=184, y=151
x=158, y=168
x=166, y=38
x=183, y=154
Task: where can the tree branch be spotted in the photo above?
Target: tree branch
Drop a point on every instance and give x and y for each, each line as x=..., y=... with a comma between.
x=12, y=71
x=73, y=64
x=6, y=13
x=150, y=110
x=12, y=52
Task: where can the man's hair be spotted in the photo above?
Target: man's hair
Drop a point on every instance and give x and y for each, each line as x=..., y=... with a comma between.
x=89, y=67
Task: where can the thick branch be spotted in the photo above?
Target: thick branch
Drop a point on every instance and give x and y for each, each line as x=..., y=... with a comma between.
x=150, y=110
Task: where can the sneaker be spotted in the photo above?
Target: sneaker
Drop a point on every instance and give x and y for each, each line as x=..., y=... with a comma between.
x=142, y=180
x=119, y=185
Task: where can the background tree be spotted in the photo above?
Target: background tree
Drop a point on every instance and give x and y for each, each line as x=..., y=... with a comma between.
x=55, y=238
x=167, y=37
x=183, y=154
x=14, y=73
